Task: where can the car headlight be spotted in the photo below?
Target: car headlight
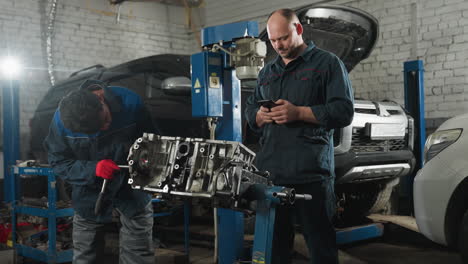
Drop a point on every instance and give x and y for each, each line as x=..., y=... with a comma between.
x=438, y=141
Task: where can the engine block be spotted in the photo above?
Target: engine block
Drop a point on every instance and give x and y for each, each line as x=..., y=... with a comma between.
x=195, y=167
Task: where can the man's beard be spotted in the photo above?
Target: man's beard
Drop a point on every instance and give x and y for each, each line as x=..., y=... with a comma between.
x=291, y=53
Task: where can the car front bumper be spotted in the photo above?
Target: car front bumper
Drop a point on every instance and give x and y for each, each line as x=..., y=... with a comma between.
x=355, y=167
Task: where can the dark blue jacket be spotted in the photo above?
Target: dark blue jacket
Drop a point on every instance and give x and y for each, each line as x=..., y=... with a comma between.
x=301, y=152
x=73, y=156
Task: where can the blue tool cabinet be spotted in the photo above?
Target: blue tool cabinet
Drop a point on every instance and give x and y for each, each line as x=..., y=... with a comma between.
x=51, y=213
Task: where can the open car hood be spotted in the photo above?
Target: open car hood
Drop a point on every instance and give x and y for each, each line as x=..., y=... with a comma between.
x=348, y=32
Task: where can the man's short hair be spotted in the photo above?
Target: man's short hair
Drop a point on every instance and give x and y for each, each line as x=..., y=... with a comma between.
x=287, y=13
x=79, y=112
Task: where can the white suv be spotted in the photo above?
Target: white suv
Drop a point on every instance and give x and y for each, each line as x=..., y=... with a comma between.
x=441, y=186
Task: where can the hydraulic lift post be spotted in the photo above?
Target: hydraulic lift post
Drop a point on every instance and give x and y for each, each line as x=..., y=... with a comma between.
x=414, y=103
x=11, y=117
x=216, y=95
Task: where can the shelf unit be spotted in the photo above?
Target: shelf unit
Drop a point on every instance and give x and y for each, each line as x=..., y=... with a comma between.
x=51, y=213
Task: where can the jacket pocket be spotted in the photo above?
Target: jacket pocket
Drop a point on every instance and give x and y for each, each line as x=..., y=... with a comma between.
x=307, y=88
x=313, y=157
x=269, y=87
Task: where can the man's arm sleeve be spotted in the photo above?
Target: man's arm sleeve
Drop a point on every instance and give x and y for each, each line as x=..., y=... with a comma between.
x=338, y=110
x=251, y=108
x=78, y=172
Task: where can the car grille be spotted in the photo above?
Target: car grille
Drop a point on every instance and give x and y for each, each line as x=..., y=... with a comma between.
x=374, y=111
x=362, y=143
x=365, y=111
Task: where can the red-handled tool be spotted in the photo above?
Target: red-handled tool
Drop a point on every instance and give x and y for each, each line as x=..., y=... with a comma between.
x=98, y=206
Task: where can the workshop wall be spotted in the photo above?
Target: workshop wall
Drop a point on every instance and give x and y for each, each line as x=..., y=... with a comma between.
x=86, y=33
x=440, y=40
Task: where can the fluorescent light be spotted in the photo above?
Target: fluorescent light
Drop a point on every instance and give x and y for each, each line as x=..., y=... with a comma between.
x=10, y=68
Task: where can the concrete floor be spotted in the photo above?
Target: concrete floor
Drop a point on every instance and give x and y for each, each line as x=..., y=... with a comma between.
x=365, y=253
x=397, y=246
x=402, y=246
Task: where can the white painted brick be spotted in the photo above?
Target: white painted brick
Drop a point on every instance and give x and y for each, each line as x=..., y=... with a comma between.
x=457, y=47
x=455, y=80
x=460, y=39
x=450, y=2
x=401, y=55
x=443, y=73
x=432, y=3
x=454, y=64
x=460, y=72
x=432, y=35
x=458, y=89
x=445, y=10
x=434, y=99
x=445, y=106
x=437, y=50
x=443, y=41
x=434, y=66
x=442, y=26
x=396, y=10
x=426, y=12
x=451, y=16
x=432, y=27
x=434, y=82
x=453, y=98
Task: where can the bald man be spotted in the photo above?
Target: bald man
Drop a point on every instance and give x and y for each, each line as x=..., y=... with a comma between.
x=313, y=96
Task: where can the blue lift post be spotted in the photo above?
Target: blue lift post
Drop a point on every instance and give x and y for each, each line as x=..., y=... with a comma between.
x=414, y=103
x=51, y=213
x=215, y=81
x=10, y=108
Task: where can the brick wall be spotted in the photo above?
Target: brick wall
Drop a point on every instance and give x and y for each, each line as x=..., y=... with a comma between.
x=440, y=40
x=86, y=33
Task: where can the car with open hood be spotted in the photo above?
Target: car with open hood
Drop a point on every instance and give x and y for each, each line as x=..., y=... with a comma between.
x=371, y=154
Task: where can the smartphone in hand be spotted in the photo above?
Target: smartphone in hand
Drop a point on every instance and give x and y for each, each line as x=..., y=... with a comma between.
x=267, y=103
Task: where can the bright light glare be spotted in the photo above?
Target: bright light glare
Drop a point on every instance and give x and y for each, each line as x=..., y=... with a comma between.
x=10, y=67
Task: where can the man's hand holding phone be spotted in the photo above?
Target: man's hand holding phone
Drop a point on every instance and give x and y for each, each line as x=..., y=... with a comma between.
x=263, y=115
x=267, y=103
x=279, y=112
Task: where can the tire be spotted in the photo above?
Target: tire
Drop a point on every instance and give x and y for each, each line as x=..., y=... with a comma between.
x=385, y=202
x=463, y=238
x=358, y=200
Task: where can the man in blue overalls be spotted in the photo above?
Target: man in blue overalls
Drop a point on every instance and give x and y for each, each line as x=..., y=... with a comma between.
x=91, y=132
x=313, y=96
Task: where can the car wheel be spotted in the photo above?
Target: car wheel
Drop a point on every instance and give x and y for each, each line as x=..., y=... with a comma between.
x=463, y=238
x=358, y=200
